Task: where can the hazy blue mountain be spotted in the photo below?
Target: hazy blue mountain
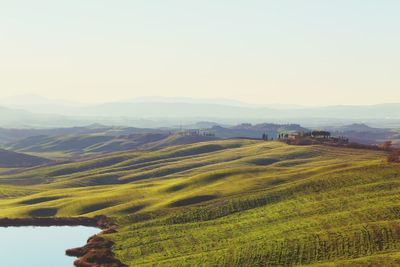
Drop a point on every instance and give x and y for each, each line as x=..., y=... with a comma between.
x=205, y=110
x=167, y=112
x=210, y=110
x=362, y=133
x=12, y=116
x=39, y=104
x=188, y=100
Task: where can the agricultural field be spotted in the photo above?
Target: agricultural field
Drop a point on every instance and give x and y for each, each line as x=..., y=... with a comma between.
x=233, y=202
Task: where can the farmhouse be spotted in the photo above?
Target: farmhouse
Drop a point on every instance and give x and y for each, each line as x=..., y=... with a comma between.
x=313, y=137
x=196, y=132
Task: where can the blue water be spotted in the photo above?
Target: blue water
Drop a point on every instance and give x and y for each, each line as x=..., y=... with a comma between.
x=41, y=246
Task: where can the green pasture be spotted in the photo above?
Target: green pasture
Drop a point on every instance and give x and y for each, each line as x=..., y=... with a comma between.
x=227, y=203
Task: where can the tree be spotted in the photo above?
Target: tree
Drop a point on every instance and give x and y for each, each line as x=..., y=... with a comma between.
x=387, y=145
x=393, y=156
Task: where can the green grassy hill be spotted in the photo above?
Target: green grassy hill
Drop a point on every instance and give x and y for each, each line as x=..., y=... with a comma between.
x=91, y=144
x=227, y=203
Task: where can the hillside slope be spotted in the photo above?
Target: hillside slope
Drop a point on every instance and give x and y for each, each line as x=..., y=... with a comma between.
x=85, y=144
x=10, y=159
x=227, y=203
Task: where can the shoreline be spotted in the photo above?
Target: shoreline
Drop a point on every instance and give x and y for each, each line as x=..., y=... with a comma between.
x=97, y=252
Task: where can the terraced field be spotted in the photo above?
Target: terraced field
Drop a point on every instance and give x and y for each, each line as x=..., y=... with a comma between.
x=227, y=203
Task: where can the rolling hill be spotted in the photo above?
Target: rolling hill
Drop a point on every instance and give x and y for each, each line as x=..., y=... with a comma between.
x=88, y=144
x=10, y=159
x=227, y=203
x=96, y=139
x=364, y=134
x=11, y=135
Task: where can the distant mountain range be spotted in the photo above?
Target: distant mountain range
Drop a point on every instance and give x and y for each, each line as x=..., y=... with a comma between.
x=362, y=133
x=160, y=112
x=210, y=110
x=202, y=110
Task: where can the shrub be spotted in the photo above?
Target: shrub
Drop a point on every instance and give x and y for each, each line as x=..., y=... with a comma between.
x=393, y=156
x=387, y=145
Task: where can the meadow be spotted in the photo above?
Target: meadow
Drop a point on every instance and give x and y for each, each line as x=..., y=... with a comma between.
x=232, y=202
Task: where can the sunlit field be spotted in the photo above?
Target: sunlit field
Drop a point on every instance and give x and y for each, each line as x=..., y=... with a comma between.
x=227, y=203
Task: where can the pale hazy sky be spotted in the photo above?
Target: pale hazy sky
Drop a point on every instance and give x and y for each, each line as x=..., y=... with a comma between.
x=311, y=52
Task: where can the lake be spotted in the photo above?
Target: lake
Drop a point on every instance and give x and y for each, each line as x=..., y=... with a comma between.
x=41, y=246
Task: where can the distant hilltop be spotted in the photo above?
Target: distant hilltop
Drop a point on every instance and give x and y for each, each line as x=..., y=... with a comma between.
x=156, y=113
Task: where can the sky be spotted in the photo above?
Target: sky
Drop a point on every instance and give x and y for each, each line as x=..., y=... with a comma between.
x=305, y=52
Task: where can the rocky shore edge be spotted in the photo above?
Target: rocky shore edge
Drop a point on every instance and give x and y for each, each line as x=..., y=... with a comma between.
x=98, y=250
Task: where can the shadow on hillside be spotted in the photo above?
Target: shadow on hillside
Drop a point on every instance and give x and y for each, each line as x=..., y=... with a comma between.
x=95, y=207
x=39, y=200
x=134, y=209
x=44, y=212
x=263, y=162
x=192, y=200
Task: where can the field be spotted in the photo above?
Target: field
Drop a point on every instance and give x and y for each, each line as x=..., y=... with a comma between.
x=227, y=203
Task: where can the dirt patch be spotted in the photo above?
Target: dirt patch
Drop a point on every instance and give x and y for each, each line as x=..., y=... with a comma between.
x=97, y=252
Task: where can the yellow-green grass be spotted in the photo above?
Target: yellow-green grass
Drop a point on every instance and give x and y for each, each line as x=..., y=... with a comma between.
x=227, y=203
